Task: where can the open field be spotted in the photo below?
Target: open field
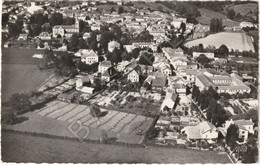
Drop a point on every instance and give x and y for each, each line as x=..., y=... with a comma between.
x=235, y=41
x=19, y=56
x=154, y=6
x=18, y=148
x=17, y=78
x=207, y=15
x=243, y=9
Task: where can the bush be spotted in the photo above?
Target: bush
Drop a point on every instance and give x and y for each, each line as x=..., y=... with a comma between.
x=8, y=117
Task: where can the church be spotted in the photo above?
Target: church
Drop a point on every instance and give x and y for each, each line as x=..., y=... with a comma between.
x=66, y=30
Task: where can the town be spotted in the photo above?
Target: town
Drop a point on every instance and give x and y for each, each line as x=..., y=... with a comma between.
x=166, y=74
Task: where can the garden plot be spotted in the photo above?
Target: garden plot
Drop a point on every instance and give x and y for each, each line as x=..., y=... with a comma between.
x=114, y=121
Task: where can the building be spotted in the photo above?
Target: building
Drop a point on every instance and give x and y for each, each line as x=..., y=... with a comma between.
x=170, y=99
x=66, y=30
x=88, y=56
x=202, y=131
x=108, y=75
x=208, y=55
x=223, y=82
x=151, y=45
x=246, y=24
x=45, y=36
x=176, y=22
x=245, y=127
x=22, y=37
x=134, y=75
x=103, y=66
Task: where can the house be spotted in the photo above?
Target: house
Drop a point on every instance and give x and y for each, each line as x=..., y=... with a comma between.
x=134, y=75
x=245, y=127
x=203, y=131
x=65, y=30
x=191, y=75
x=176, y=22
x=122, y=65
x=179, y=86
x=95, y=27
x=22, y=37
x=246, y=24
x=170, y=99
x=45, y=36
x=108, y=75
x=208, y=55
x=128, y=48
x=103, y=66
x=81, y=81
x=112, y=45
x=86, y=36
x=163, y=121
x=200, y=31
x=159, y=83
x=166, y=70
x=151, y=45
x=88, y=56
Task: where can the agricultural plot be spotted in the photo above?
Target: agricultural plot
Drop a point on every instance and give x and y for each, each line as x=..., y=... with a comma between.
x=244, y=9
x=235, y=41
x=114, y=121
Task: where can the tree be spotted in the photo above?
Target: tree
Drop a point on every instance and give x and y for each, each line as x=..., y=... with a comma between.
x=223, y=51
x=15, y=28
x=232, y=136
x=106, y=37
x=203, y=59
x=252, y=151
x=56, y=19
x=120, y=10
x=73, y=43
x=8, y=117
x=231, y=14
x=20, y=102
x=216, y=25
x=146, y=59
x=94, y=111
x=183, y=27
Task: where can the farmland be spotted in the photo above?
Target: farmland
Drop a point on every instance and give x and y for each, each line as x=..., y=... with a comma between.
x=56, y=116
x=243, y=9
x=207, y=15
x=235, y=41
x=16, y=148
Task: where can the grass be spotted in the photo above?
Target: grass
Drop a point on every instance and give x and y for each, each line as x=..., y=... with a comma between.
x=18, y=78
x=20, y=72
x=24, y=148
x=235, y=41
x=243, y=9
x=154, y=6
x=211, y=14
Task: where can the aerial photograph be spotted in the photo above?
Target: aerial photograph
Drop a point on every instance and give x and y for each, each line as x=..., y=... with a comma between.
x=129, y=81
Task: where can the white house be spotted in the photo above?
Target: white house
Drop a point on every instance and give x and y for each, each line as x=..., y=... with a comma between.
x=246, y=24
x=245, y=127
x=134, y=75
x=88, y=56
x=103, y=66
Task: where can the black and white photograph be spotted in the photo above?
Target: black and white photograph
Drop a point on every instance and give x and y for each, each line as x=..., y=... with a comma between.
x=129, y=81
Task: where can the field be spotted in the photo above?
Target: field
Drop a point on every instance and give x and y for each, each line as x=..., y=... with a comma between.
x=244, y=9
x=17, y=78
x=207, y=15
x=115, y=121
x=154, y=6
x=20, y=72
x=25, y=148
x=235, y=41
x=56, y=116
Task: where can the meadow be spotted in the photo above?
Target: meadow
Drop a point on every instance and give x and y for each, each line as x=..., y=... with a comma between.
x=20, y=72
x=235, y=41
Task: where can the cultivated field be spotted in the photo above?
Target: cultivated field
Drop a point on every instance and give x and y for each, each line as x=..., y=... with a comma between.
x=235, y=41
x=211, y=14
x=17, y=78
x=25, y=148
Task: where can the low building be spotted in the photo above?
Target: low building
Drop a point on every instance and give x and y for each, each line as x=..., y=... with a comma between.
x=45, y=36
x=22, y=37
x=108, y=75
x=202, y=131
x=112, y=45
x=208, y=55
x=245, y=127
x=134, y=75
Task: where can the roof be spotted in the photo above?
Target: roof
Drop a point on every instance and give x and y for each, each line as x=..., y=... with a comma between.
x=196, y=132
x=106, y=63
x=88, y=53
x=204, y=80
x=159, y=82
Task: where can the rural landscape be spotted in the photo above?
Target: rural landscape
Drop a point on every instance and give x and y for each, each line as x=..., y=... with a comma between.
x=129, y=81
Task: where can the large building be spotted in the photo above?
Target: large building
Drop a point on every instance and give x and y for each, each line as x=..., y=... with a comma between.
x=223, y=82
x=66, y=30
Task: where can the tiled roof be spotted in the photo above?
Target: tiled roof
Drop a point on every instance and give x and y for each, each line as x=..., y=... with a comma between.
x=106, y=63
